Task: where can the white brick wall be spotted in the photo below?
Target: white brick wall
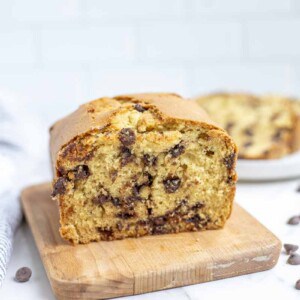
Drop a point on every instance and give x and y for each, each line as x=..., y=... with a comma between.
x=57, y=54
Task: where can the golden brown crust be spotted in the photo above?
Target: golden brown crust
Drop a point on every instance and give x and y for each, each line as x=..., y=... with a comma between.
x=96, y=115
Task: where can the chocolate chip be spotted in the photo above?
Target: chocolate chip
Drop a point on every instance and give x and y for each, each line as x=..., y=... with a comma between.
x=229, y=161
x=101, y=199
x=229, y=180
x=297, y=285
x=148, y=182
x=59, y=187
x=294, y=259
x=229, y=126
x=23, y=274
x=295, y=220
x=6, y=144
x=159, y=230
x=149, y=160
x=209, y=153
x=278, y=134
x=183, y=202
x=82, y=172
x=113, y=175
x=139, y=108
x=116, y=201
x=248, y=132
x=106, y=233
x=127, y=137
x=126, y=156
x=136, y=190
x=195, y=219
x=129, y=201
x=177, y=150
x=149, y=179
x=247, y=144
x=197, y=206
x=149, y=210
x=126, y=215
x=119, y=226
x=290, y=248
x=159, y=221
x=172, y=184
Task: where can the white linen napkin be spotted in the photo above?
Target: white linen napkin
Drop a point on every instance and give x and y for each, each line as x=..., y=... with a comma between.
x=23, y=160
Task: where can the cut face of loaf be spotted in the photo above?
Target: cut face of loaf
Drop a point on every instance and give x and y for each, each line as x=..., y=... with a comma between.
x=263, y=127
x=139, y=165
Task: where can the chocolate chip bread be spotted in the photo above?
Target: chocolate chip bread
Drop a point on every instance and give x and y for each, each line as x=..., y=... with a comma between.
x=263, y=127
x=139, y=165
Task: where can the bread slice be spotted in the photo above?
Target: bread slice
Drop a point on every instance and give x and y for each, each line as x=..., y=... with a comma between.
x=263, y=127
x=139, y=165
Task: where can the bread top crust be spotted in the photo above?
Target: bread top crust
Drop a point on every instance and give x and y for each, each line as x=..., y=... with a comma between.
x=96, y=115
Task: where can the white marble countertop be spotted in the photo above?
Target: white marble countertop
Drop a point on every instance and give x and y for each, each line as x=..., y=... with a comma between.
x=272, y=203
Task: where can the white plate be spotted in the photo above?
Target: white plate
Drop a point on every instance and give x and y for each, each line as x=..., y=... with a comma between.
x=273, y=169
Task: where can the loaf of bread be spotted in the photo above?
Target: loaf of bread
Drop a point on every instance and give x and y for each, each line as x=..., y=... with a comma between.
x=262, y=127
x=140, y=165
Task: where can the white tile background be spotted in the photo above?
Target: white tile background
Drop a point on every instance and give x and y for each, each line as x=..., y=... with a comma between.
x=57, y=54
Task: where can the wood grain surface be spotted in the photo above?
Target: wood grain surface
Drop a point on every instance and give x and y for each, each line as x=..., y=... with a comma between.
x=134, y=266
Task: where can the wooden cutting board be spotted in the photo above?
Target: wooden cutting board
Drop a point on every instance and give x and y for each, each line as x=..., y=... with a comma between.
x=134, y=266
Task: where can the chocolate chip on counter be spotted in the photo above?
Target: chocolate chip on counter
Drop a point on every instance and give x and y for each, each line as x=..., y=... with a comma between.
x=229, y=161
x=139, y=108
x=127, y=137
x=23, y=274
x=297, y=285
x=101, y=199
x=82, y=172
x=177, y=150
x=126, y=156
x=59, y=187
x=295, y=220
x=172, y=184
x=290, y=248
x=294, y=259
x=149, y=160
